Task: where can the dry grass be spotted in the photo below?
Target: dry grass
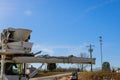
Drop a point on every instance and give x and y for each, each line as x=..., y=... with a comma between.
x=99, y=76
x=86, y=75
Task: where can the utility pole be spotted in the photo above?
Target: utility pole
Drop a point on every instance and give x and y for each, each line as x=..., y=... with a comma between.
x=90, y=50
x=101, y=50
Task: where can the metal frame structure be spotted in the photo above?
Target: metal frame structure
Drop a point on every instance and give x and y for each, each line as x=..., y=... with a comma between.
x=16, y=52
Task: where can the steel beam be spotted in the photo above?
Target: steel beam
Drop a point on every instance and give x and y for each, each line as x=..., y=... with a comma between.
x=76, y=60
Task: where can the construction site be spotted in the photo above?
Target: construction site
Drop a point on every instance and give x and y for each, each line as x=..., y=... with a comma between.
x=16, y=54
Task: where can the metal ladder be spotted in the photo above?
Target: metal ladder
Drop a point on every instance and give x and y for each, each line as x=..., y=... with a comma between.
x=35, y=71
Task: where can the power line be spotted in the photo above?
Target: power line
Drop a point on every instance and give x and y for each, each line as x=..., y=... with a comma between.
x=90, y=50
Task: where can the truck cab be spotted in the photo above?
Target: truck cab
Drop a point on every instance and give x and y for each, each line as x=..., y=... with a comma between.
x=15, y=71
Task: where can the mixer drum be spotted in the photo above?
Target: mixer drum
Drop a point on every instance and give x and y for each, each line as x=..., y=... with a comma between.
x=21, y=34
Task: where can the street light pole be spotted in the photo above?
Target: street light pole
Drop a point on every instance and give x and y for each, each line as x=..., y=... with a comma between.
x=90, y=50
x=101, y=50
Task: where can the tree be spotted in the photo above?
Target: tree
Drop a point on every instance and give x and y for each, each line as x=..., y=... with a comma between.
x=82, y=67
x=106, y=67
x=51, y=66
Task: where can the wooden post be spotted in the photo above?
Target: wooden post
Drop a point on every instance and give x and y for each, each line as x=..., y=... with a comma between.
x=2, y=66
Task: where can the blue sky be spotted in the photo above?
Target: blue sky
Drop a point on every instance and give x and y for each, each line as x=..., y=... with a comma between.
x=65, y=27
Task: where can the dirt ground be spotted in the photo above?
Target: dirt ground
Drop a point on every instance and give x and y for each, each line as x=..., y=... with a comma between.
x=64, y=78
x=42, y=74
x=68, y=77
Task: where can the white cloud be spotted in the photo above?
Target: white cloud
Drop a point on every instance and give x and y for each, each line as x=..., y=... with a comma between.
x=94, y=7
x=54, y=49
x=44, y=49
x=28, y=12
